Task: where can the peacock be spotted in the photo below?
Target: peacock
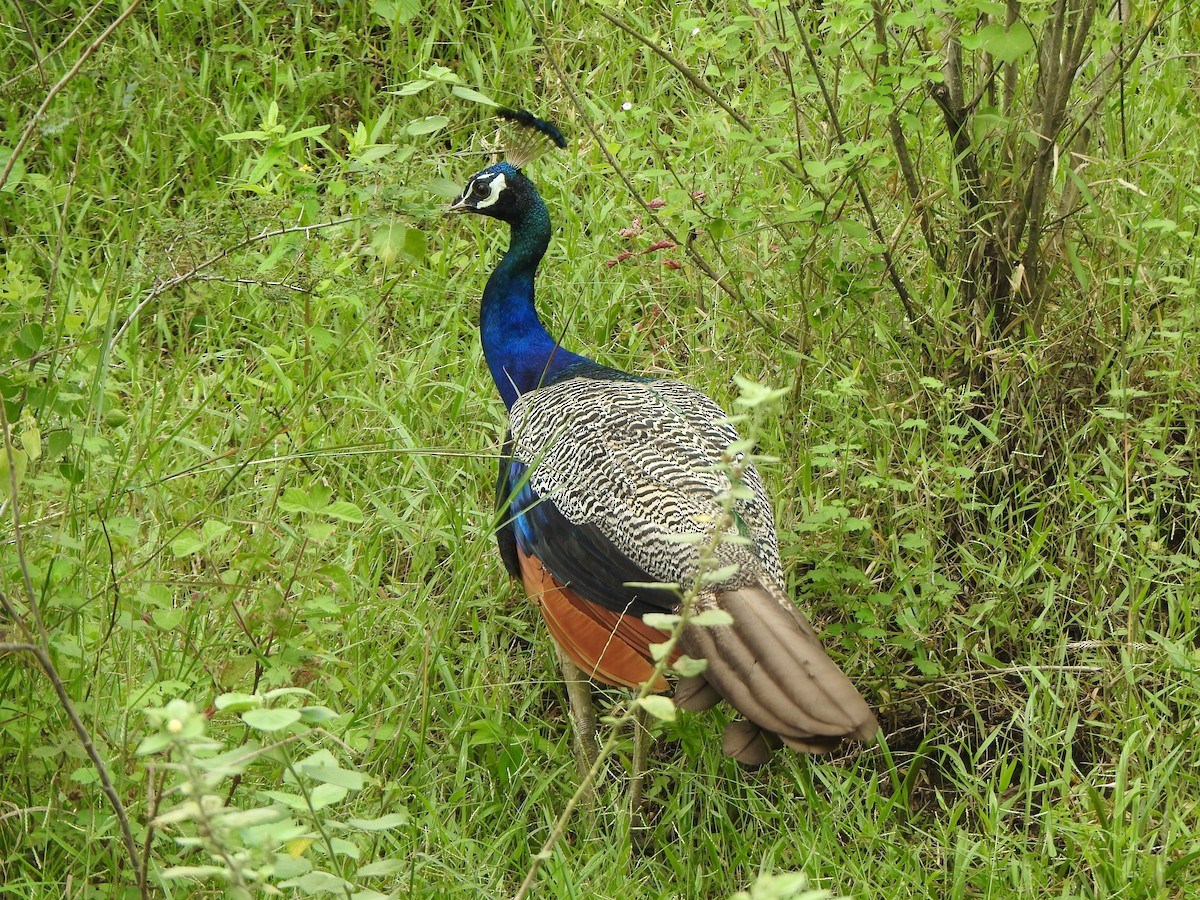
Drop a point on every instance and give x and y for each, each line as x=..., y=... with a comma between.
x=604, y=480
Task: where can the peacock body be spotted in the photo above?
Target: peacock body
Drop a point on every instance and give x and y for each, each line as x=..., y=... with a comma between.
x=605, y=482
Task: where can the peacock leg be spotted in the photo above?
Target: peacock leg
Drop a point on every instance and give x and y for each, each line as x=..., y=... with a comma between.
x=583, y=713
x=642, y=739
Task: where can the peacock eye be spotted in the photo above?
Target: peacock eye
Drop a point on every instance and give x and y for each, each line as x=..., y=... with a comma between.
x=480, y=189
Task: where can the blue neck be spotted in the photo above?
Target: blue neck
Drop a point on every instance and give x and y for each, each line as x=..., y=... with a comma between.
x=520, y=353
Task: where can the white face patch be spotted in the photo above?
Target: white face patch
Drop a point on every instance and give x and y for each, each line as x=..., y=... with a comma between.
x=496, y=184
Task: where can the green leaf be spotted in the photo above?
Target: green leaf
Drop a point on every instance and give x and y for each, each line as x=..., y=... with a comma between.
x=186, y=542
x=659, y=707
x=441, y=74
x=291, y=801
x=155, y=743
x=295, y=500
x=237, y=703
x=710, y=618
x=1006, y=44
x=661, y=621
x=167, y=619
x=716, y=576
x=397, y=12
x=198, y=873
x=658, y=651
x=754, y=394
x=1165, y=225
x=343, y=847
x=243, y=136
x=382, y=823
x=427, y=125
x=444, y=187
x=271, y=719
x=688, y=667
x=246, y=818
x=352, y=781
x=15, y=175
x=304, y=133
x=325, y=794
x=416, y=245
x=289, y=692
x=343, y=510
x=213, y=530
x=30, y=339
x=410, y=87
x=382, y=868
x=317, y=882
x=184, y=812
x=984, y=430
x=394, y=240
x=317, y=714
x=319, y=531
x=474, y=96
x=31, y=443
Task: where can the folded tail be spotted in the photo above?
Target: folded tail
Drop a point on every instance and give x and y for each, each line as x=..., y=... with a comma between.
x=770, y=666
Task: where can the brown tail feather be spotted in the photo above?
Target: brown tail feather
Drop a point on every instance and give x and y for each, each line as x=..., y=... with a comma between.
x=769, y=664
x=608, y=646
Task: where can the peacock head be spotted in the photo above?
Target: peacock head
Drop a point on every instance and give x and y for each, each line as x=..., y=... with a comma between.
x=500, y=191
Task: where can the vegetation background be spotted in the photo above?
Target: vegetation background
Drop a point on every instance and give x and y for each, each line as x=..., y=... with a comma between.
x=254, y=633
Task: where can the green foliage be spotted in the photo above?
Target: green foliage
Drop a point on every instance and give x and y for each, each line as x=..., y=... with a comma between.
x=252, y=438
x=292, y=839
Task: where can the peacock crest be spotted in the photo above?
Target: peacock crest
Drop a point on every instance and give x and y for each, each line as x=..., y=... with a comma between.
x=527, y=137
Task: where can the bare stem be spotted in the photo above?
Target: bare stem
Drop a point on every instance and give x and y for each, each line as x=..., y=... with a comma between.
x=31, y=125
x=194, y=272
x=915, y=320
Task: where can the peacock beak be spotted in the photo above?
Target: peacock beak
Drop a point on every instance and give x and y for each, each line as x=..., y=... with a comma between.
x=459, y=205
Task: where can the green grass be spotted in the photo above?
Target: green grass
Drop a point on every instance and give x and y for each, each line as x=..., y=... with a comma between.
x=1004, y=563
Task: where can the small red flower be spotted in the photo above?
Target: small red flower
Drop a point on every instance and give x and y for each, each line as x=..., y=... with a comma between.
x=661, y=245
x=621, y=257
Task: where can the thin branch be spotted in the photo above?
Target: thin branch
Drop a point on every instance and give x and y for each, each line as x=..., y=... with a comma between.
x=87, y=17
x=937, y=248
x=952, y=70
x=255, y=282
x=1122, y=71
x=31, y=126
x=915, y=320
x=1013, y=13
x=162, y=287
x=964, y=156
x=689, y=246
x=39, y=645
x=37, y=60
x=153, y=799
x=60, y=238
x=1062, y=82
x=1051, y=56
x=695, y=81
x=85, y=739
x=17, y=648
